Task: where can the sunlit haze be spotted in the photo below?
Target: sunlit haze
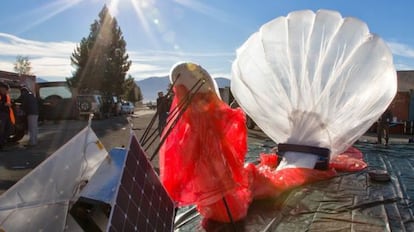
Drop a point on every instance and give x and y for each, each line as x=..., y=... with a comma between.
x=160, y=33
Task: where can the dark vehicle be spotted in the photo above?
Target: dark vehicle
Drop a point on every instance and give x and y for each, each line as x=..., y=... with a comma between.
x=112, y=106
x=56, y=101
x=19, y=129
x=91, y=104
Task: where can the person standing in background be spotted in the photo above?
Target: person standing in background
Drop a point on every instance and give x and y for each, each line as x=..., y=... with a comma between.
x=6, y=114
x=162, y=109
x=31, y=109
x=383, y=126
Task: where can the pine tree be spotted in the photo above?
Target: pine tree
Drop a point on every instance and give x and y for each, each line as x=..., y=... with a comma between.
x=100, y=60
x=132, y=92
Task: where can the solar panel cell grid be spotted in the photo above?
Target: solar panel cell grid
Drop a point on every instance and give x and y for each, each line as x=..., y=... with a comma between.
x=142, y=204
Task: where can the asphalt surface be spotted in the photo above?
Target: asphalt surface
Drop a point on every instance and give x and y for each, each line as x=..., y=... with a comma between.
x=16, y=160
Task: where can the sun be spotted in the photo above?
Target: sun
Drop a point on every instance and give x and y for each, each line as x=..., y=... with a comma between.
x=115, y=5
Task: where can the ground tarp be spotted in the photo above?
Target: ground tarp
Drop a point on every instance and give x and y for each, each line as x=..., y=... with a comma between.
x=348, y=202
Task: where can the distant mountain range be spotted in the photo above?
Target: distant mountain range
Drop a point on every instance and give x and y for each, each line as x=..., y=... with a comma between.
x=40, y=80
x=152, y=85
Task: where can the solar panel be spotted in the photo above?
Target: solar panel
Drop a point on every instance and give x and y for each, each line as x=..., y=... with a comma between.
x=142, y=203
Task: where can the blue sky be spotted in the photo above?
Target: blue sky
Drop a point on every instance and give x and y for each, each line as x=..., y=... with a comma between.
x=160, y=33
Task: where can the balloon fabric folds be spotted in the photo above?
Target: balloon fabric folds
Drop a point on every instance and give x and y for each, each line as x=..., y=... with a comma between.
x=202, y=158
x=314, y=82
x=314, y=79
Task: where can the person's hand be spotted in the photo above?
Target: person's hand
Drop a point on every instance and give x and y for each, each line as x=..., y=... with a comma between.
x=7, y=104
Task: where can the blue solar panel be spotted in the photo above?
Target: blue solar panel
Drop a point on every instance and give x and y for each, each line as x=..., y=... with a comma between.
x=142, y=203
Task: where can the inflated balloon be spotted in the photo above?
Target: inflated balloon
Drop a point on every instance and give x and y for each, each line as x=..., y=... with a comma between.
x=313, y=82
x=314, y=79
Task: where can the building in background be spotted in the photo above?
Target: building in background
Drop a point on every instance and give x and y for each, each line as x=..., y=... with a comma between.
x=402, y=107
x=27, y=80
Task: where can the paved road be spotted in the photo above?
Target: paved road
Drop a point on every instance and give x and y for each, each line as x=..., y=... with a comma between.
x=16, y=160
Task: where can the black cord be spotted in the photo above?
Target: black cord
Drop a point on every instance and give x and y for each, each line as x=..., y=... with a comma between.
x=189, y=98
x=143, y=138
x=173, y=114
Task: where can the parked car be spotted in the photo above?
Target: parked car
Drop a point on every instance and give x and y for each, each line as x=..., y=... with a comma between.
x=127, y=108
x=56, y=101
x=112, y=105
x=91, y=104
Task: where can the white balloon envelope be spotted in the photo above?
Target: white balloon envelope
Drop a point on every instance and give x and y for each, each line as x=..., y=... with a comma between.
x=314, y=79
